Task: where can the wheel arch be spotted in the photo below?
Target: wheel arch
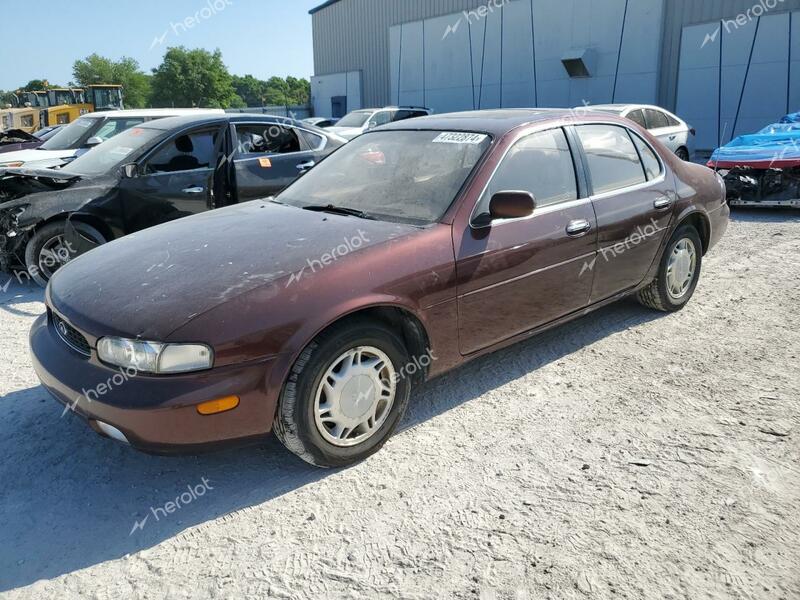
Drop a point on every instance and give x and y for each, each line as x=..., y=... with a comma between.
x=701, y=223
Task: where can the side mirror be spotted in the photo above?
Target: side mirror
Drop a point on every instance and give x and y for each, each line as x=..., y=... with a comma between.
x=93, y=141
x=511, y=205
x=372, y=125
x=130, y=170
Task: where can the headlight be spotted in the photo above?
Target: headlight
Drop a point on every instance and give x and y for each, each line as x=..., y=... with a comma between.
x=153, y=357
x=12, y=165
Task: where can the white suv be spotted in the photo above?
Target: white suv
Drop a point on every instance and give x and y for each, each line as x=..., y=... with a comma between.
x=357, y=122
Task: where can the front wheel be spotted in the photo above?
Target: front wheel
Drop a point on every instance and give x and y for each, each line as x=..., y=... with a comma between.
x=345, y=396
x=678, y=272
x=47, y=250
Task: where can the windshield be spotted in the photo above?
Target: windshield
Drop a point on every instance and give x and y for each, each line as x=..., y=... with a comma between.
x=117, y=151
x=355, y=119
x=71, y=136
x=402, y=176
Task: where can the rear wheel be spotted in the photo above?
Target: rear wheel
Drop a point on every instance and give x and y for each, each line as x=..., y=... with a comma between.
x=683, y=154
x=47, y=250
x=345, y=396
x=678, y=272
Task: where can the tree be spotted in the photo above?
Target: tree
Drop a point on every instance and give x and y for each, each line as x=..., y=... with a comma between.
x=96, y=69
x=299, y=90
x=35, y=85
x=250, y=89
x=188, y=78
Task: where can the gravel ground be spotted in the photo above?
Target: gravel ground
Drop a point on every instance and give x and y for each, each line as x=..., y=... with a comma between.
x=626, y=455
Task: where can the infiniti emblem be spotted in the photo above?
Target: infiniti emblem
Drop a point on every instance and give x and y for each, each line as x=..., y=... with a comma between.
x=62, y=328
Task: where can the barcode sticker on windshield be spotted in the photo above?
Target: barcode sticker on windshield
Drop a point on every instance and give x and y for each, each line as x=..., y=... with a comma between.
x=452, y=137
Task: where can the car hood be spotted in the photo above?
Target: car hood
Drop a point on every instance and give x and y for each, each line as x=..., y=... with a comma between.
x=38, y=158
x=149, y=284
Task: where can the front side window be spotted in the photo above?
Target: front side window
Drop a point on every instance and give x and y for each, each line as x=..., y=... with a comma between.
x=398, y=176
x=611, y=157
x=186, y=152
x=402, y=115
x=541, y=164
x=381, y=118
x=356, y=118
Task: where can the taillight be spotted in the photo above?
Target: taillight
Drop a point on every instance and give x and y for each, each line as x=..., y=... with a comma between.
x=693, y=131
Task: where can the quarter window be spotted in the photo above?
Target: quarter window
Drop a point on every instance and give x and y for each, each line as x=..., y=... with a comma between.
x=311, y=141
x=611, y=156
x=541, y=164
x=652, y=166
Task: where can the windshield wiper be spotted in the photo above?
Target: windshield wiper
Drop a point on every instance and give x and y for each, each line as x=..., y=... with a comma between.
x=339, y=210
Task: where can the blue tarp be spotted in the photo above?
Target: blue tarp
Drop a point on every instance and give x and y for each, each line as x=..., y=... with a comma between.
x=775, y=146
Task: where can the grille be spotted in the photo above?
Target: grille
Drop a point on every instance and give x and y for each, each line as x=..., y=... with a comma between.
x=71, y=336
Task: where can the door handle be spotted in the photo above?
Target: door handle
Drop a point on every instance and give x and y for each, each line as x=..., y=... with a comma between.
x=306, y=165
x=662, y=203
x=194, y=190
x=578, y=227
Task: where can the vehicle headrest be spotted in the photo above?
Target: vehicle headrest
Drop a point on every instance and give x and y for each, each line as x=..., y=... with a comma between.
x=184, y=144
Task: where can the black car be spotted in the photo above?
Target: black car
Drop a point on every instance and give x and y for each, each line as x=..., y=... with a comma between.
x=150, y=174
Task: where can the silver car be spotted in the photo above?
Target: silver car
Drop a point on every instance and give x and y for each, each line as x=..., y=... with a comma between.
x=673, y=132
x=357, y=122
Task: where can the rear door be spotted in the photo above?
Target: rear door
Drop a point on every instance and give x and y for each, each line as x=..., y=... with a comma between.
x=515, y=275
x=633, y=200
x=176, y=180
x=268, y=157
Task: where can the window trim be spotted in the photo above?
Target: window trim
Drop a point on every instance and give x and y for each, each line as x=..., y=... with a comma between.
x=544, y=209
x=622, y=190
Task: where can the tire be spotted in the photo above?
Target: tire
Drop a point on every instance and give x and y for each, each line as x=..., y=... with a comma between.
x=44, y=255
x=657, y=294
x=296, y=423
x=683, y=154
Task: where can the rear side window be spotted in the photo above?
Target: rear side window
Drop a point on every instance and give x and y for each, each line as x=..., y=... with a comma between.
x=186, y=152
x=402, y=115
x=611, y=156
x=267, y=138
x=652, y=166
x=637, y=116
x=540, y=163
x=656, y=119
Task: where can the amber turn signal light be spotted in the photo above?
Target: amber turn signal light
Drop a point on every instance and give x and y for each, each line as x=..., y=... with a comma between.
x=219, y=405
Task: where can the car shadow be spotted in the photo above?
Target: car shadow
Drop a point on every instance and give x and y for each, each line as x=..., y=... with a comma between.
x=13, y=294
x=72, y=499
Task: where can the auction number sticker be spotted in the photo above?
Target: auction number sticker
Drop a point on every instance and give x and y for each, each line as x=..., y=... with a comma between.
x=452, y=137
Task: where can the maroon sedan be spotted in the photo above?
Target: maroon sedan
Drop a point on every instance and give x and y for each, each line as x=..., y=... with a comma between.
x=411, y=250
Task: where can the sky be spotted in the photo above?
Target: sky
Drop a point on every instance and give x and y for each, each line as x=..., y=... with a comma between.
x=257, y=37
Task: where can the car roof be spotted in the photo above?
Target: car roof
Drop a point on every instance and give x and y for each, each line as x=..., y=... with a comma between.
x=152, y=112
x=494, y=121
x=170, y=123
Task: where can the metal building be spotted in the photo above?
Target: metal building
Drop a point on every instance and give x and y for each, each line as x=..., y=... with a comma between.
x=726, y=66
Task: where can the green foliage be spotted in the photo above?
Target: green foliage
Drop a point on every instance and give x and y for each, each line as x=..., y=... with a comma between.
x=185, y=78
x=188, y=78
x=96, y=69
x=35, y=85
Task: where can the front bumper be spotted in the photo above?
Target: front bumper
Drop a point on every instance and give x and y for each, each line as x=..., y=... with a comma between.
x=155, y=414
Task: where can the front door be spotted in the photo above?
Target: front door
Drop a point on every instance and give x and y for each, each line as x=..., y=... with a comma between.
x=176, y=181
x=633, y=199
x=518, y=274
